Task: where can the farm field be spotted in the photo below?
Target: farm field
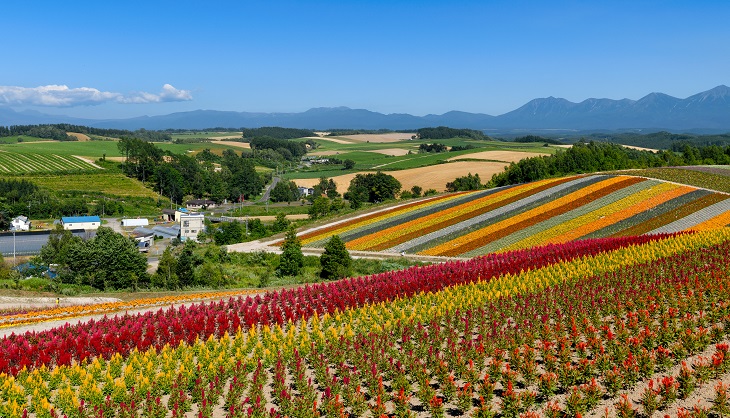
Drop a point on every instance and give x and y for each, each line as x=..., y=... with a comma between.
x=430, y=177
x=21, y=163
x=98, y=182
x=97, y=149
x=610, y=326
x=538, y=213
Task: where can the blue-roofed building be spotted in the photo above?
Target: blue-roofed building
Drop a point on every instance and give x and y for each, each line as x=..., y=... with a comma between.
x=81, y=222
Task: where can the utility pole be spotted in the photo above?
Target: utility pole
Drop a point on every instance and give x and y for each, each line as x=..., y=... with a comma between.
x=14, y=262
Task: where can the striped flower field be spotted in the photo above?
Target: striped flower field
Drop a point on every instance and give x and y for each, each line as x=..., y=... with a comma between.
x=625, y=326
x=538, y=213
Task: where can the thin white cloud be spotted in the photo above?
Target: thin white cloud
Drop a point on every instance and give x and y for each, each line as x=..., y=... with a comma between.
x=63, y=96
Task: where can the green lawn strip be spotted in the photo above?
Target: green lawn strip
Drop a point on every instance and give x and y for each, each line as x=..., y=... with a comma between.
x=670, y=216
x=593, y=206
x=691, y=177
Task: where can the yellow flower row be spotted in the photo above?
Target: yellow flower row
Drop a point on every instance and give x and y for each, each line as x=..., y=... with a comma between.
x=387, y=214
x=369, y=241
x=513, y=220
x=610, y=214
x=64, y=386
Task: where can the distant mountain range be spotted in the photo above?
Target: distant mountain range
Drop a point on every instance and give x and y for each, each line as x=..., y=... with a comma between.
x=708, y=111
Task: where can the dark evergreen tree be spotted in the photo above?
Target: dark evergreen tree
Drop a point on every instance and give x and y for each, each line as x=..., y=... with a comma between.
x=292, y=259
x=335, y=260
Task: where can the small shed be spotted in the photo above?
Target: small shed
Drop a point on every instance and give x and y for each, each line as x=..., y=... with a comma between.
x=135, y=222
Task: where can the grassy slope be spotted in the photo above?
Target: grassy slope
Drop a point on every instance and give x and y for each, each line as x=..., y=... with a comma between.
x=690, y=177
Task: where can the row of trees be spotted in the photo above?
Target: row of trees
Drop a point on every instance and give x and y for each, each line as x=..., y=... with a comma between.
x=436, y=147
x=105, y=262
x=58, y=131
x=276, y=132
x=177, y=176
x=443, y=132
x=335, y=260
x=22, y=197
x=597, y=156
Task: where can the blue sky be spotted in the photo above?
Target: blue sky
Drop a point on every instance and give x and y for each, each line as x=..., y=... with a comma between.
x=124, y=59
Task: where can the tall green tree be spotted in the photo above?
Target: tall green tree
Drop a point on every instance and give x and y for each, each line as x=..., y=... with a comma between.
x=335, y=260
x=166, y=275
x=292, y=259
x=372, y=188
x=56, y=249
x=186, y=263
x=107, y=261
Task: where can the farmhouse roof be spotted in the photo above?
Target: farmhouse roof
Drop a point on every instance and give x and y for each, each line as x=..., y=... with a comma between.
x=21, y=218
x=80, y=219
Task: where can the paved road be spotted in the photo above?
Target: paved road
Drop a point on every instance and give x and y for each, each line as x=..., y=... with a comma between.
x=267, y=192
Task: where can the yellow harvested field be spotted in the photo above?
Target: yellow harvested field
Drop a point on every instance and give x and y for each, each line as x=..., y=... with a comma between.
x=329, y=138
x=396, y=152
x=506, y=156
x=79, y=137
x=391, y=137
x=640, y=148
x=431, y=177
x=235, y=144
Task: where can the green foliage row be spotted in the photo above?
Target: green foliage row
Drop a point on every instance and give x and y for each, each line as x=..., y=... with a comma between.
x=537, y=139
x=290, y=150
x=592, y=157
x=372, y=188
x=58, y=132
x=276, y=132
x=107, y=261
x=465, y=183
x=661, y=140
x=443, y=132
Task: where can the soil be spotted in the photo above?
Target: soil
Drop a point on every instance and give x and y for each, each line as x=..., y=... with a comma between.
x=431, y=177
x=396, y=152
x=79, y=137
x=506, y=156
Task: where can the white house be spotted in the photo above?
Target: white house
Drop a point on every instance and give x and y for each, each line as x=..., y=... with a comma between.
x=81, y=222
x=190, y=226
x=305, y=191
x=20, y=223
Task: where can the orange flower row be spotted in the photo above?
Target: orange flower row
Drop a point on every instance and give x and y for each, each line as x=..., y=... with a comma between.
x=362, y=221
x=399, y=234
x=674, y=214
x=503, y=228
x=64, y=312
x=608, y=215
